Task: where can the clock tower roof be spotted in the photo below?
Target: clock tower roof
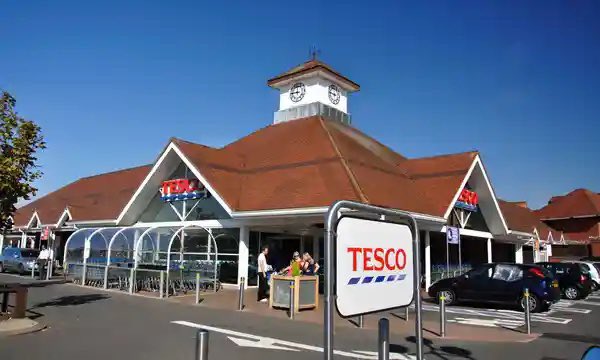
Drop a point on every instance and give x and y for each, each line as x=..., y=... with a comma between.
x=311, y=67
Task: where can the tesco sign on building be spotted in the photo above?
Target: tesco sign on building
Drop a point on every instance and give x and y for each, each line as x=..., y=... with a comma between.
x=374, y=266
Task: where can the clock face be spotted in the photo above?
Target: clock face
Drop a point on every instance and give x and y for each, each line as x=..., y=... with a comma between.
x=334, y=94
x=297, y=92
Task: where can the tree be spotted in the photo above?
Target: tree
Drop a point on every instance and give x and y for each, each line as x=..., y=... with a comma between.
x=20, y=139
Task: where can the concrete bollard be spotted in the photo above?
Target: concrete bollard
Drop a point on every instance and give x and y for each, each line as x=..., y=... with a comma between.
x=202, y=345
x=527, y=311
x=161, y=286
x=241, y=294
x=291, y=300
x=197, y=288
x=442, y=316
x=131, y=280
x=106, y=277
x=383, y=340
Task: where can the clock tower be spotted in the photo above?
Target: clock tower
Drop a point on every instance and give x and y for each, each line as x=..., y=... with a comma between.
x=313, y=88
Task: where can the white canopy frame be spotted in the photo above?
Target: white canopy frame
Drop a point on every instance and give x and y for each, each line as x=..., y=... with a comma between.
x=146, y=232
x=86, y=243
x=131, y=247
x=211, y=248
x=120, y=232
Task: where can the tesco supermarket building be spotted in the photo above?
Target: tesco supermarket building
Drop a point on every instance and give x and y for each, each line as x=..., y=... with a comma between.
x=272, y=187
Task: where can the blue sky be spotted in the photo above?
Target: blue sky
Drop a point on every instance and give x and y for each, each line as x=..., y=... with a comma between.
x=111, y=81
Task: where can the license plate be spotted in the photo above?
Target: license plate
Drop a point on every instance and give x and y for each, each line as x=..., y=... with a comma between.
x=555, y=284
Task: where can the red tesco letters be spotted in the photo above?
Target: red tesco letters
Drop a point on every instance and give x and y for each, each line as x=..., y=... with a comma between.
x=468, y=197
x=180, y=186
x=377, y=259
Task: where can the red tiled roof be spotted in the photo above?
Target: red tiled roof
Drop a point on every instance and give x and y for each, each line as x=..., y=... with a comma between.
x=308, y=67
x=313, y=161
x=303, y=163
x=98, y=197
x=523, y=219
x=579, y=202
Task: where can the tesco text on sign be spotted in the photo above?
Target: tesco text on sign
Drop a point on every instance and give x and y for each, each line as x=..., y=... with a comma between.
x=374, y=266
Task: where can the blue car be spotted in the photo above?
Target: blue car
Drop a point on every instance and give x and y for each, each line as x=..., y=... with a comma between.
x=500, y=283
x=18, y=260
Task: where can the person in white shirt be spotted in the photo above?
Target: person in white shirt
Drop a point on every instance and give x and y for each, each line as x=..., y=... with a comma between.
x=42, y=262
x=262, y=274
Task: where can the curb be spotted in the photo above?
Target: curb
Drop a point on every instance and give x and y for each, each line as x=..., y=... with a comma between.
x=26, y=330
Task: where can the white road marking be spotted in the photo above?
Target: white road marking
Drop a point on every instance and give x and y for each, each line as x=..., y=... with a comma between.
x=488, y=322
x=284, y=344
x=373, y=355
x=262, y=343
x=585, y=302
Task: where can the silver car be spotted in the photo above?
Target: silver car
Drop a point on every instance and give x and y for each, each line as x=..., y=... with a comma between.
x=18, y=260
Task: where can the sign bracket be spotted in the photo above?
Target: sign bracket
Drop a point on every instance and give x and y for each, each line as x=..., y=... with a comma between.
x=332, y=217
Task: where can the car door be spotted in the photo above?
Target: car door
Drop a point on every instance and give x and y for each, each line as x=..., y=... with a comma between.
x=507, y=283
x=476, y=284
x=9, y=259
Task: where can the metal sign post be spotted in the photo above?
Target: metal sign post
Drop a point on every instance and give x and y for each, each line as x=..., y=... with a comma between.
x=396, y=259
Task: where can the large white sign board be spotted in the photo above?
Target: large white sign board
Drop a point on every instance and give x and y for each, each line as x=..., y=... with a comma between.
x=374, y=266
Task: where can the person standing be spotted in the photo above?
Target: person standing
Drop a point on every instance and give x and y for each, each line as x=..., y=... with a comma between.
x=42, y=261
x=262, y=274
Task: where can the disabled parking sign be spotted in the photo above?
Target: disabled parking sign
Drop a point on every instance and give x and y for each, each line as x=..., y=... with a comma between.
x=374, y=266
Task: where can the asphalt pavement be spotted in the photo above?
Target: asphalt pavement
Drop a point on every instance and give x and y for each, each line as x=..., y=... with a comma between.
x=87, y=323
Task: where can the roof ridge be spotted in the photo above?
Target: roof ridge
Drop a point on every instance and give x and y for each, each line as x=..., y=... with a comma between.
x=357, y=189
x=176, y=139
x=444, y=155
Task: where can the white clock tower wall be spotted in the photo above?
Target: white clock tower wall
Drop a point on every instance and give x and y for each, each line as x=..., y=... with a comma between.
x=313, y=89
x=316, y=90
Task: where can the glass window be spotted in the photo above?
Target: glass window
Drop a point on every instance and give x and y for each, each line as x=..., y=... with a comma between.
x=253, y=249
x=29, y=253
x=228, y=249
x=481, y=272
x=227, y=240
x=507, y=273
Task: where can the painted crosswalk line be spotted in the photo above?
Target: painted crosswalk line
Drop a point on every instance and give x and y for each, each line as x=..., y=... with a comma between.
x=506, y=323
x=497, y=314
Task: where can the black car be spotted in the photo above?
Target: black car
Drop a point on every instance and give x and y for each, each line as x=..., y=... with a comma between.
x=500, y=283
x=573, y=281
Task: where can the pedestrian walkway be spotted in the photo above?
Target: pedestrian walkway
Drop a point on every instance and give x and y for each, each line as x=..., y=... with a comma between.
x=228, y=299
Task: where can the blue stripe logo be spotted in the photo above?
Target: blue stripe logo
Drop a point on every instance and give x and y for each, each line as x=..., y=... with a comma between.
x=376, y=279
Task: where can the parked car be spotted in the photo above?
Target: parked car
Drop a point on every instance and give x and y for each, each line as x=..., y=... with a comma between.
x=593, y=271
x=18, y=260
x=574, y=282
x=500, y=283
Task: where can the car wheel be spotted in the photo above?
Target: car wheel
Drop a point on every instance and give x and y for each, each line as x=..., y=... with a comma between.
x=1, y=268
x=535, y=305
x=449, y=296
x=572, y=293
x=21, y=269
x=594, y=286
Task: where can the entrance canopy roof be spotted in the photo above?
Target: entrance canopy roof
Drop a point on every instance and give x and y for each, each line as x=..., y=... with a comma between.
x=157, y=248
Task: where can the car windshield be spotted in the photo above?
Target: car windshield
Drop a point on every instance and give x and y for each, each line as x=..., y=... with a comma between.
x=29, y=253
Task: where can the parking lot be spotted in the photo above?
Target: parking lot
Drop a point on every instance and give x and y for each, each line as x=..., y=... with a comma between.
x=561, y=313
x=87, y=322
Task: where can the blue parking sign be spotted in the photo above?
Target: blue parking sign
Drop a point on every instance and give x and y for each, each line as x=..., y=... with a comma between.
x=452, y=235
